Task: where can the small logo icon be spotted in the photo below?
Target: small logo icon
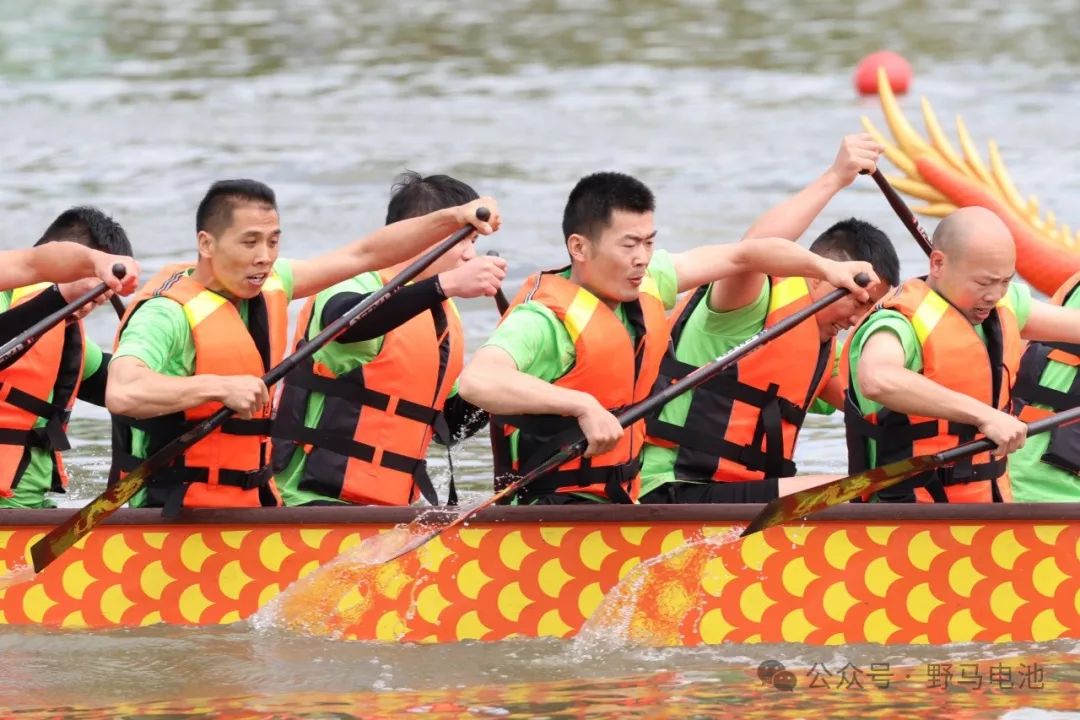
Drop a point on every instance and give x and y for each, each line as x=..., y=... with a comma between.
x=772, y=672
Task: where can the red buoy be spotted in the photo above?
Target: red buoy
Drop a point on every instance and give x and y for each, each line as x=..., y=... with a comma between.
x=897, y=69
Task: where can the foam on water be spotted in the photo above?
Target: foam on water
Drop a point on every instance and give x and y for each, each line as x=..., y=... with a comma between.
x=17, y=575
x=336, y=595
x=659, y=599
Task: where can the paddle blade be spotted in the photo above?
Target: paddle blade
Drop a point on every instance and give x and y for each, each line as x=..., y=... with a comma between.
x=67, y=533
x=811, y=500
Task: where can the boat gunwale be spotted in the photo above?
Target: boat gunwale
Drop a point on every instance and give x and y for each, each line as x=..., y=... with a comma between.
x=566, y=514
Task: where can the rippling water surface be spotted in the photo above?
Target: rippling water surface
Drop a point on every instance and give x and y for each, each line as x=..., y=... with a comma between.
x=723, y=108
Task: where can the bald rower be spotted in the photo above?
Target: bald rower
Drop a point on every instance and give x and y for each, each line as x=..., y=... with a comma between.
x=932, y=365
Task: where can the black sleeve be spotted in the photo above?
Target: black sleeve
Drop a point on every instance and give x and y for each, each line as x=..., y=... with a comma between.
x=399, y=308
x=92, y=389
x=463, y=420
x=22, y=316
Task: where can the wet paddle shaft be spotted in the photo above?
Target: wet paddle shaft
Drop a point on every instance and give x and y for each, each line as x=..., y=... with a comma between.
x=806, y=502
x=22, y=342
x=63, y=536
x=636, y=412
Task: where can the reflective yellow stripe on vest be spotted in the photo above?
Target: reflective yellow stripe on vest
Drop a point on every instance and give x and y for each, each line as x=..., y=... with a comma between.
x=579, y=313
x=201, y=306
x=927, y=315
x=19, y=293
x=786, y=292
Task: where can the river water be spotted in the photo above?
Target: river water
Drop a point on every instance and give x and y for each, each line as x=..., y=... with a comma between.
x=723, y=108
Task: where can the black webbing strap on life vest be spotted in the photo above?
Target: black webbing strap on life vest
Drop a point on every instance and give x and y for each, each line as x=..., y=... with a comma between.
x=1028, y=390
x=352, y=388
x=709, y=446
x=51, y=436
x=615, y=478
x=1063, y=450
x=414, y=467
x=161, y=430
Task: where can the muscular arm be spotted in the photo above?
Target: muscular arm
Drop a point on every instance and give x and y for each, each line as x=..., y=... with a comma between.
x=1052, y=323
x=883, y=378
x=387, y=246
x=61, y=262
x=770, y=256
x=492, y=381
x=791, y=218
x=137, y=391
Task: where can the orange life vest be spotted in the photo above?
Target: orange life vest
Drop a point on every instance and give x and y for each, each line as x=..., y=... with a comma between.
x=1063, y=450
x=609, y=366
x=230, y=466
x=743, y=424
x=52, y=366
x=954, y=357
x=371, y=441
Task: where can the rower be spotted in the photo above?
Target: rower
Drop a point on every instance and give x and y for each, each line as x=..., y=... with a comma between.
x=733, y=439
x=39, y=388
x=1046, y=469
x=584, y=340
x=933, y=364
x=354, y=423
x=200, y=336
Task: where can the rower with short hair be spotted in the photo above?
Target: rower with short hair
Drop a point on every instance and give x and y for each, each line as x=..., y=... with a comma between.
x=354, y=423
x=584, y=341
x=733, y=438
x=201, y=336
x=932, y=366
x=40, y=386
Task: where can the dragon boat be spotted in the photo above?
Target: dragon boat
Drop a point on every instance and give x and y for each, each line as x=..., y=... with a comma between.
x=854, y=574
x=919, y=574
x=944, y=179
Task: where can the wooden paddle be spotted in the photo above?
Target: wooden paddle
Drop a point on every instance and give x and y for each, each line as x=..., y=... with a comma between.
x=429, y=528
x=500, y=298
x=902, y=211
x=19, y=344
x=811, y=500
x=63, y=536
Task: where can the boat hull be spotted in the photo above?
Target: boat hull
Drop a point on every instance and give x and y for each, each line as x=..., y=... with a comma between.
x=855, y=574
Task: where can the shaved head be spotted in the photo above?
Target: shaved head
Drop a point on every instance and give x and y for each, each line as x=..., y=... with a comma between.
x=973, y=261
x=972, y=229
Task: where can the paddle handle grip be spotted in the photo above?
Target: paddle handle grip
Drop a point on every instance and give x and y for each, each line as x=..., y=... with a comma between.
x=968, y=449
x=22, y=342
x=902, y=210
x=500, y=297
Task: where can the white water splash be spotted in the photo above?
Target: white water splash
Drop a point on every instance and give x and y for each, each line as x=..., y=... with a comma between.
x=17, y=575
x=609, y=627
x=371, y=552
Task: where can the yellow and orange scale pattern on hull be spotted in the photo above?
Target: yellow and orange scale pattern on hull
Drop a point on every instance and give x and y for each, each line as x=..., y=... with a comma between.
x=1047, y=254
x=854, y=580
